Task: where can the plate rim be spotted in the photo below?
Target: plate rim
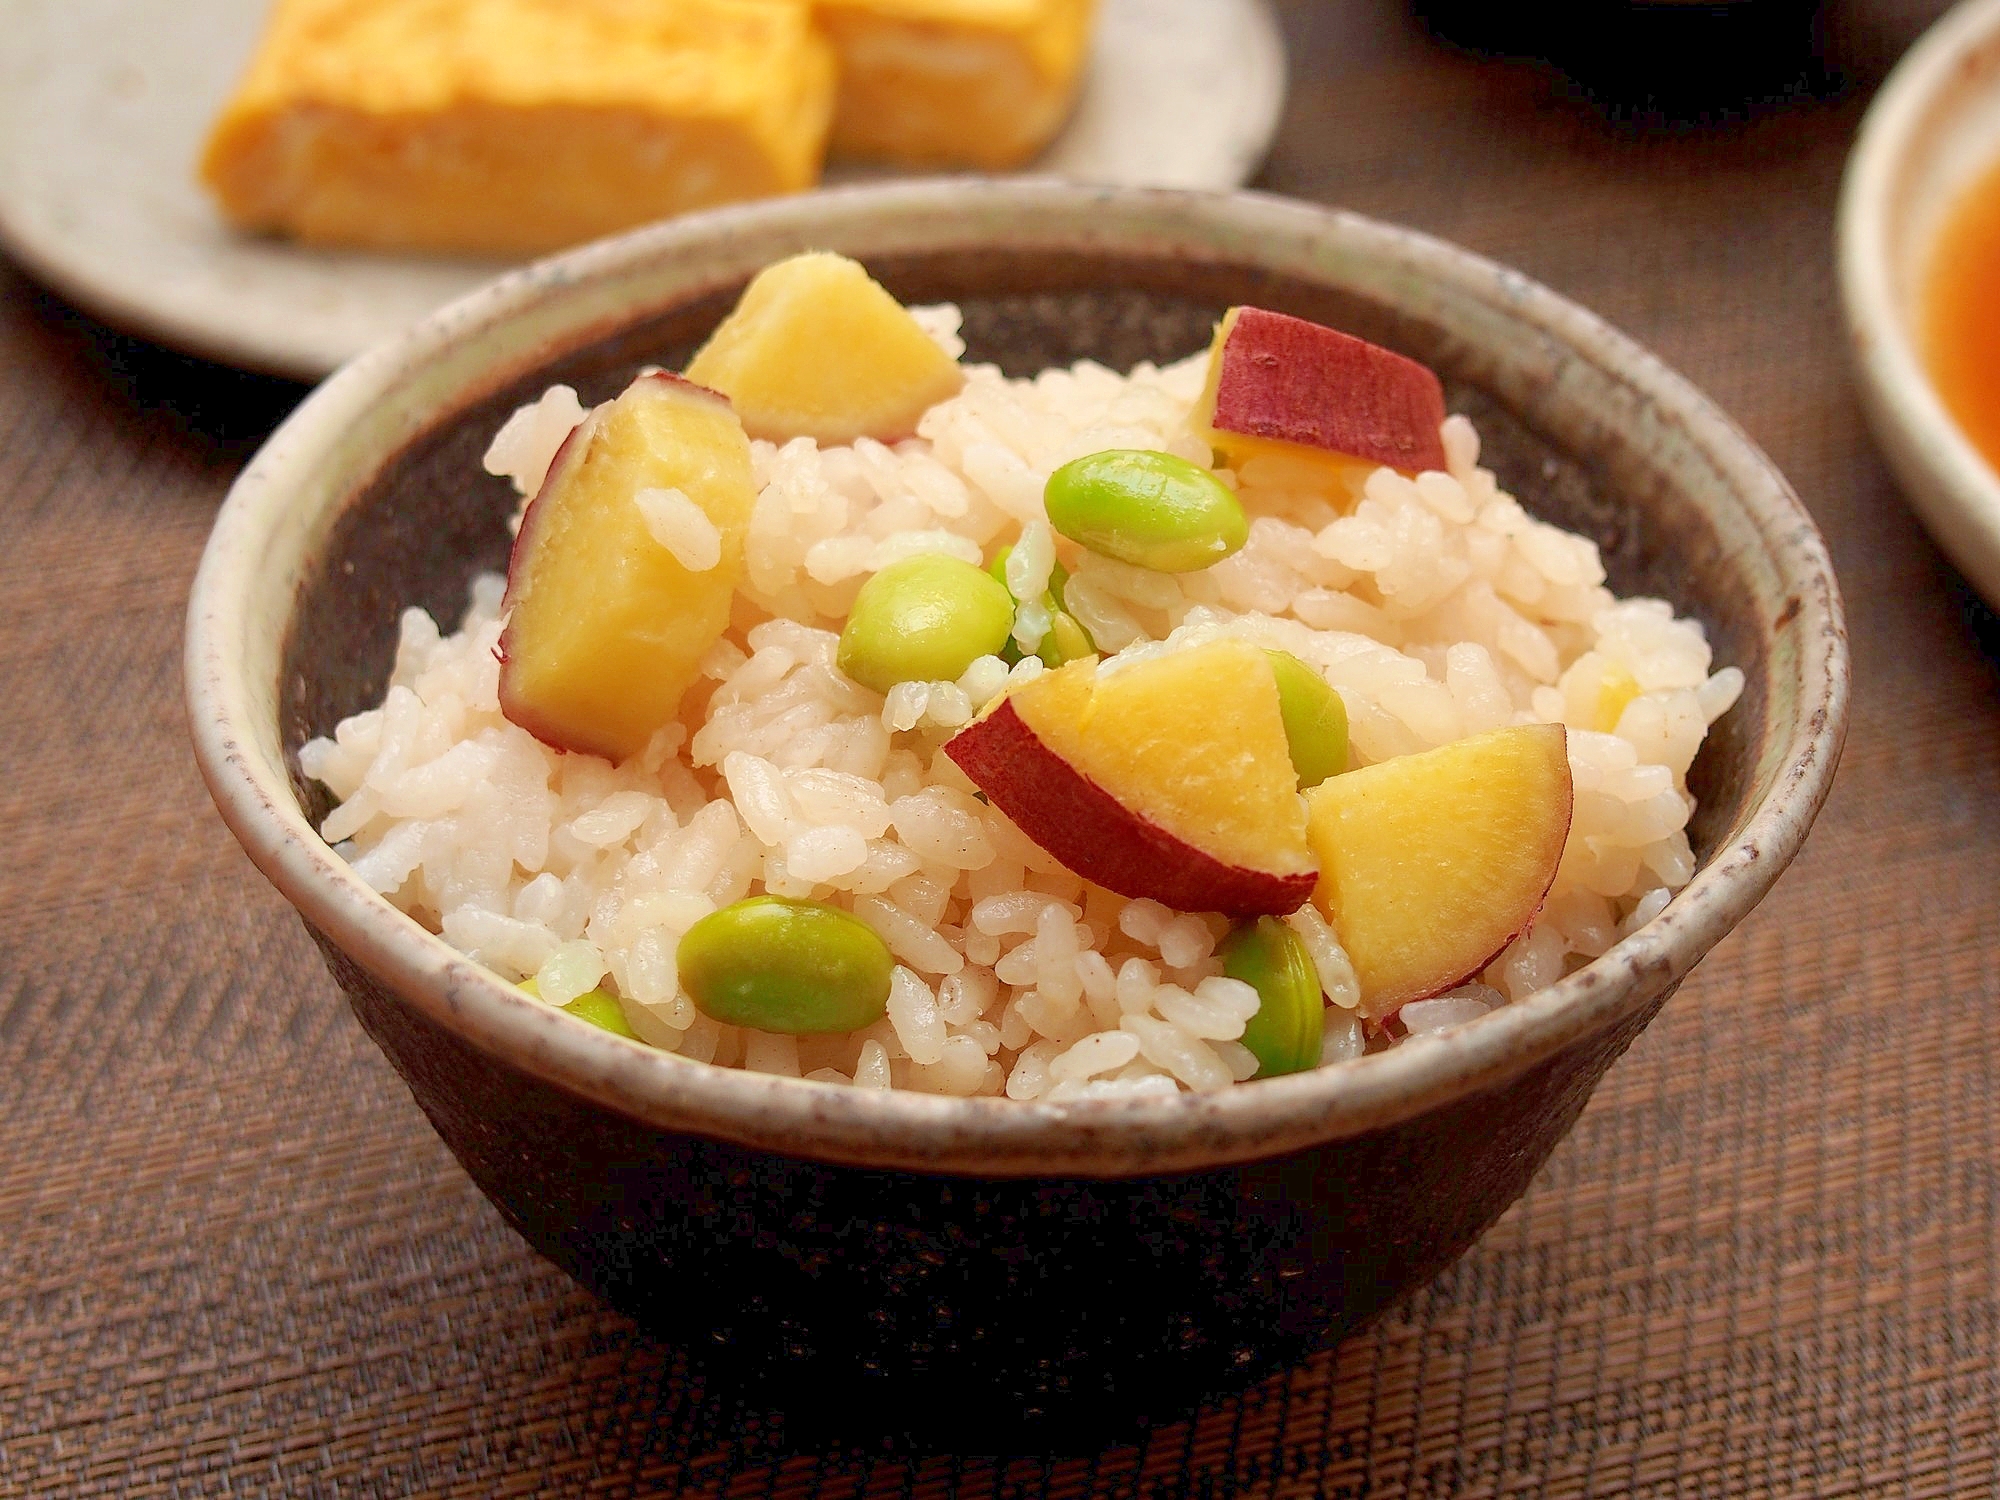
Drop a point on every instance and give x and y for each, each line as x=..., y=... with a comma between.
x=304, y=350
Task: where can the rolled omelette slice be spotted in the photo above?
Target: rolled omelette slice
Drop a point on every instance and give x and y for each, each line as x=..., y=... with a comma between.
x=978, y=83
x=510, y=127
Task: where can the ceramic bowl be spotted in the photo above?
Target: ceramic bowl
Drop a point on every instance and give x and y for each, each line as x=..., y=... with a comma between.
x=988, y=1267
x=1933, y=128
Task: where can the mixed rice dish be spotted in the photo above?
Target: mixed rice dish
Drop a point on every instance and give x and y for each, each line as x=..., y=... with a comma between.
x=885, y=806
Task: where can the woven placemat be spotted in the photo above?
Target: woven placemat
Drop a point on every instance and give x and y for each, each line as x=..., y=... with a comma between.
x=234, y=1260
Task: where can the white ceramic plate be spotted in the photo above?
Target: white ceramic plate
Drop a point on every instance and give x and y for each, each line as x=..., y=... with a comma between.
x=104, y=104
x=1931, y=130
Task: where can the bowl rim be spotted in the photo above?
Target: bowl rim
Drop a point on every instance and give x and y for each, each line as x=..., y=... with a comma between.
x=1954, y=490
x=233, y=719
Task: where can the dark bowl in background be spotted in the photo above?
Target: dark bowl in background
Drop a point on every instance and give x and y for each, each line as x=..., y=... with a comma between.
x=1672, y=64
x=986, y=1272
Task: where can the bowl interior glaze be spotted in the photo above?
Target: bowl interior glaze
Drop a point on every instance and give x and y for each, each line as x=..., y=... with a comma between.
x=431, y=518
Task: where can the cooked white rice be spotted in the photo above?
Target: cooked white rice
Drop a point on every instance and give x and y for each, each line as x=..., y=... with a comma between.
x=1437, y=608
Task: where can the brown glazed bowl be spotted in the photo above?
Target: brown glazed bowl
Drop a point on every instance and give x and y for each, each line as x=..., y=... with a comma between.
x=985, y=1271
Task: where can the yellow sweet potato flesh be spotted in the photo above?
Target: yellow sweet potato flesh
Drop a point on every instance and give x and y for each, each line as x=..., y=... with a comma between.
x=815, y=348
x=1430, y=864
x=606, y=627
x=1192, y=742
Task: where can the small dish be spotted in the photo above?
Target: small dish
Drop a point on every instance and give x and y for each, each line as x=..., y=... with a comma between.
x=995, y=1269
x=1927, y=136
x=104, y=105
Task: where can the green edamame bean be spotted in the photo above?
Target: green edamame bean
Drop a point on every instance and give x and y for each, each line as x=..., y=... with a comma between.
x=1148, y=509
x=1289, y=1028
x=599, y=1007
x=1066, y=639
x=777, y=964
x=1315, y=720
x=924, y=619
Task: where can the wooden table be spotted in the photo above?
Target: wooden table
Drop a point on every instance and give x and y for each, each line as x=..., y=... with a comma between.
x=234, y=1260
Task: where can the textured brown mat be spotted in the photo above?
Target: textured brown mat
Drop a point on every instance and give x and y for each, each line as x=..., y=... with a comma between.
x=234, y=1260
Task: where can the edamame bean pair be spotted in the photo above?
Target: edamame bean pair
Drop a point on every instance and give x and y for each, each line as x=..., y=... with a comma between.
x=771, y=963
x=804, y=968
x=926, y=619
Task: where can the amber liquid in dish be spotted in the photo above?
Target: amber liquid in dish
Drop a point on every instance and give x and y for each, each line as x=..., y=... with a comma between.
x=1961, y=314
